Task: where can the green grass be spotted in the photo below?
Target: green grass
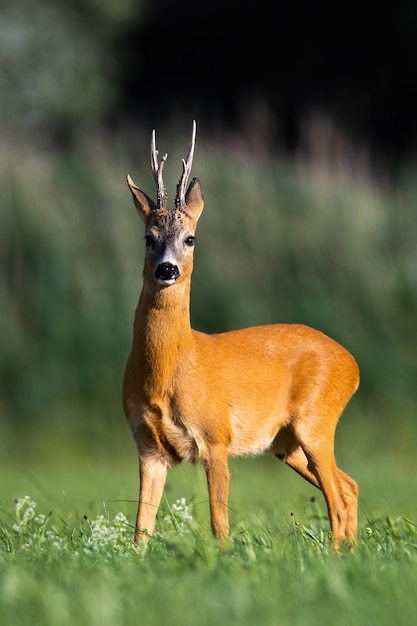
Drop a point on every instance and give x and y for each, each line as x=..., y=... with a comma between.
x=76, y=565
x=56, y=567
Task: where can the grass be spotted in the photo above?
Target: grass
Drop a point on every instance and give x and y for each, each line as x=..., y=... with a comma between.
x=71, y=559
x=56, y=572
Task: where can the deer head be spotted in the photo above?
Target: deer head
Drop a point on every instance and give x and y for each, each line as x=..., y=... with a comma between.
x=169, y=234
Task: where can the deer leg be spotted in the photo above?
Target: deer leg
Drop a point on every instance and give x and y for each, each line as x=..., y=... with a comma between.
x=322, y=464
x=217, y=473
x=350, y=492
x=298, y=461
x=152, y=474
x=315, y=462
x=288, y=450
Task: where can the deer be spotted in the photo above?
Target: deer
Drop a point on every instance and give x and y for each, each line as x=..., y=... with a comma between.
x=202, y=398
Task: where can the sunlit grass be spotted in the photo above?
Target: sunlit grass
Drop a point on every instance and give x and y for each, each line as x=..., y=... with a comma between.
x=53, y=571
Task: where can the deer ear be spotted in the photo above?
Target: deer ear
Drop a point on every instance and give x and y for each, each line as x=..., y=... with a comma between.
x=143, y=203
x=194, y=201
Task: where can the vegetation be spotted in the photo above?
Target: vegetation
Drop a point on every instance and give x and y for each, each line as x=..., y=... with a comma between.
x=59, y=67
x=54, y=573
x=276, y=242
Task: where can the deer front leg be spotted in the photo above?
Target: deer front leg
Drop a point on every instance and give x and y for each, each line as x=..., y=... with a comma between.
x=217, y=473
x=152, y=475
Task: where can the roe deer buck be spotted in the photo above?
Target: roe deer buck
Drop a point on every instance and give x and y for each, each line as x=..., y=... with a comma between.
x=193, y=396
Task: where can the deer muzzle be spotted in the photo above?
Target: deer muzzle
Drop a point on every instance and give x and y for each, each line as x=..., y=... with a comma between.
x=167, y=273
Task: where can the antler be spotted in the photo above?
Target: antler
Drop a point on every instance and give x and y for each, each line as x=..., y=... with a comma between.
x=157, y=174
x=186, y=169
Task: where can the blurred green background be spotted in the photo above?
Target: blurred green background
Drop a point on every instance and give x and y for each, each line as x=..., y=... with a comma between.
x=320, y=240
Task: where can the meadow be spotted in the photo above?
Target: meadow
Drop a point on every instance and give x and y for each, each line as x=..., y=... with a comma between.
x=277, y=241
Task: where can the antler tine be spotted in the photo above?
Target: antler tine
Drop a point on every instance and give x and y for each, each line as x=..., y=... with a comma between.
x=157, y=174
x=186, y=170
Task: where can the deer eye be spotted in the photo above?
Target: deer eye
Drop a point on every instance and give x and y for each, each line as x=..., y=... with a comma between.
x=149, y=241
x=189, y=241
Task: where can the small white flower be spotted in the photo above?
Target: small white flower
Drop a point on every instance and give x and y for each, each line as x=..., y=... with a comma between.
x=106, y=534
x=35, y=532
x=180, y=517
x=25, y=512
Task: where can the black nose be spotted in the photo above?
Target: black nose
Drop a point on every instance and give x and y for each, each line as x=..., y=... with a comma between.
x=167, y=271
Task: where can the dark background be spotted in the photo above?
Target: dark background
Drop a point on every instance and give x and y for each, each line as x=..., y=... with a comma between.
x=258, y=68
x=226, y=61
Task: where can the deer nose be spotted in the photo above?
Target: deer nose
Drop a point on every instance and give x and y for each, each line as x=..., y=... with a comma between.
x=167, y=272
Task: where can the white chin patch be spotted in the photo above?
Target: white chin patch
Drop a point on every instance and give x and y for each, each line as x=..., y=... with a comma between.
x=170, y=281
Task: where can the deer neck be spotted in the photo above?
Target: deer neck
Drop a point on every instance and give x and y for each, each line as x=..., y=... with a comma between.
x=162, y=333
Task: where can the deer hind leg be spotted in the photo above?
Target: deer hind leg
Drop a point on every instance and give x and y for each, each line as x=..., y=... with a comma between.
x=288, y=450
x=316, y=463
x=152, y=473
x=339, y=490
x=351, y=493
